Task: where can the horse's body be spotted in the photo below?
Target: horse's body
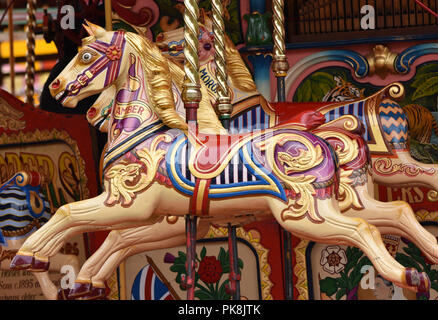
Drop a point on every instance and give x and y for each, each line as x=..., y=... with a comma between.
x=24, y=210
x=394, y=218
x=253, y=112
x=294, y=172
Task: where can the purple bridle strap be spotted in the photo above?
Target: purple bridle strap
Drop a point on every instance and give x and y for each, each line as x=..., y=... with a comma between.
x=110, y=59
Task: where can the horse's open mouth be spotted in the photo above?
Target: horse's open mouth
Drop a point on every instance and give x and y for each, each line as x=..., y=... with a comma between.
x=61, y=96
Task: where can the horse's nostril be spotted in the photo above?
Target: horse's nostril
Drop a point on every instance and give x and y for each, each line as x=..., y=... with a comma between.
x=55, y=84
x=207, y=46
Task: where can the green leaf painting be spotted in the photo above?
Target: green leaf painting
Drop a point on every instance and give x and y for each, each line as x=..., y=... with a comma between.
x=210, y=283
x=428, y=87
x=345, y=284
x=315, y=87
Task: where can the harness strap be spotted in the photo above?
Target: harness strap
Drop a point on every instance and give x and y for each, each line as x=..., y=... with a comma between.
x=110, y=60
x=200, y=203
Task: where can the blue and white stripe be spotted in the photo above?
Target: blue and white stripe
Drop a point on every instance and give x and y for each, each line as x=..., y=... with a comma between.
x=354, y=108
x=234, y=172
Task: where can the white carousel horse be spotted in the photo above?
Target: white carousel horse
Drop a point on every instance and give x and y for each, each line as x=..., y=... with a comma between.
x=294, y=172
x=393, y=217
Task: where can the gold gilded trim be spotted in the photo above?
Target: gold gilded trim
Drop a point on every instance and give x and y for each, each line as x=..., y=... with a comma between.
x=47, y=136
x=126, y=179
x=300, y=270
x=302, y=185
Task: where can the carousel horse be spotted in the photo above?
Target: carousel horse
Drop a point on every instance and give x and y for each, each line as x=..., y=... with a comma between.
x=24, y=210
x=293, y=175
x=353, y=159
x=391, y=218
x=394, y=217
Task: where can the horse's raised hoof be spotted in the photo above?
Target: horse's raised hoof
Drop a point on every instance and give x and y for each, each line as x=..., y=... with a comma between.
x=80, y=289
x=418, y=280
x=63, y=294
x=425, y=283
x=27, y=262
x=21, y=262
x=39, y=265
x=95, y=294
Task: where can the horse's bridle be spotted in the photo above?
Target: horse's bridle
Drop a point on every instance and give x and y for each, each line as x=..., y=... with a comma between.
x=110, y=59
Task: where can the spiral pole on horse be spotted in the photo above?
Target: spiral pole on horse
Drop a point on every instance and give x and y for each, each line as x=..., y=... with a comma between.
x=225, y=108
x=30, y=60
x=191, y=96
x=280, y=66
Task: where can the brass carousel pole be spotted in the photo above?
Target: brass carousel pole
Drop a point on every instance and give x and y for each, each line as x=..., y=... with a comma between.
x=280, y=66
x=108, y=16
x=30, y=60
x=11, y=45
x=191, y=96
x=225, y=108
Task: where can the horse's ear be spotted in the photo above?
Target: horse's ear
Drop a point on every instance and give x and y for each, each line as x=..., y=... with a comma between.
x=94, y=29
x=88, y=29
x=202, y=16
x=205, y=19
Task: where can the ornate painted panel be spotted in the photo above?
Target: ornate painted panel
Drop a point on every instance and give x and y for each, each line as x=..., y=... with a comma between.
x=336, y=272
x=156, y=275
x=59, y=148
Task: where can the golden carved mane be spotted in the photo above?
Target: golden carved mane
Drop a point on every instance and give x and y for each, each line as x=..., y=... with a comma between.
x=160, y=73
x=237, y=71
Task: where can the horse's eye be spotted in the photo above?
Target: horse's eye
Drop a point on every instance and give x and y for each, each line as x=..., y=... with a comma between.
x=86, y=57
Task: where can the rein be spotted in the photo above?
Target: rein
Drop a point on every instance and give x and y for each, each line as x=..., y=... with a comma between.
x=110, y=60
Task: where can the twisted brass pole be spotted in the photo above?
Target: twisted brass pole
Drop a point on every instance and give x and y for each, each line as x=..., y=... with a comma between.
x=11, y=45
x=280, y=67
x=30, y=60
x=223, y=101
x=191, y=95
x=225, y=108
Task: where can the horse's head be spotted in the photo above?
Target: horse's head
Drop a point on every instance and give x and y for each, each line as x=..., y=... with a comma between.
x=171, y=42
x=96, y=66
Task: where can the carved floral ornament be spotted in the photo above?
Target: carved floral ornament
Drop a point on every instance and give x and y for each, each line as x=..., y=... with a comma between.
x=381, y=61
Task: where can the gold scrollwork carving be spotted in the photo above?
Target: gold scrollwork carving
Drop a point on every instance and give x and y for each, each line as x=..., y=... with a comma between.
x=432, y=196
x=385, y=167
x=381, y=61
x=348, y=151
x=396, y=90
x=10, y=119
x=311, y=156
x=127, y=179
x=348, y=195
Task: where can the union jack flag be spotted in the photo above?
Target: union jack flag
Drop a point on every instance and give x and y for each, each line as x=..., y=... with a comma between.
x=148, y=286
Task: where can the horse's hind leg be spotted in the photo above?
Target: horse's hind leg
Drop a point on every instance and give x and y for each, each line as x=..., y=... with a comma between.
x=121, y=244
x=83, y=216
x=339, y=229
x=396, y=218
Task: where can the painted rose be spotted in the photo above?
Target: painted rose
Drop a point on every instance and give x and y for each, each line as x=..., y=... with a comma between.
x=210, y=269
x=333, y=259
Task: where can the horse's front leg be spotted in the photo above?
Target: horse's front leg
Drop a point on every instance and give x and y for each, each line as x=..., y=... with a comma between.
x=337, y=228
x=121, y=244
x=396, y=218
x=83, y=216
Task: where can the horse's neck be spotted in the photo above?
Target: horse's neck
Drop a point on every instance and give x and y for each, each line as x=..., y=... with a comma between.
x=131, y=110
